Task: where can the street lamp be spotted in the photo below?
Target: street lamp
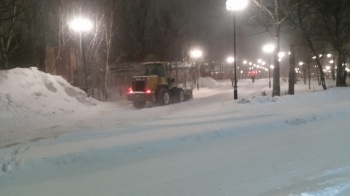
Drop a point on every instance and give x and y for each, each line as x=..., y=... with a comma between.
x=269, y=48
x=230, y=59
x=234, y=5
x=81, y=25
x=196, y=53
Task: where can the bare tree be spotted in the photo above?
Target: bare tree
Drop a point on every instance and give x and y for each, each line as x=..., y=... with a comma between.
x=35, y=40
x=11, y=26
x=269, y=14
x=100, y=47
x=335, y=16
x=135, y=20
x=169, y=37
x=312, y=32
x=57, y=34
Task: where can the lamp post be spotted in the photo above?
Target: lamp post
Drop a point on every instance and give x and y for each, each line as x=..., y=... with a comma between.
x=304, y=70
x=81, y=25
x=196, y=53
x=230, y=60
x=234, y=5
x=269, y=48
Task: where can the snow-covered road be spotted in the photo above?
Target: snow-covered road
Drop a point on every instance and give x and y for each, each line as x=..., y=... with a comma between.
x=211, y=145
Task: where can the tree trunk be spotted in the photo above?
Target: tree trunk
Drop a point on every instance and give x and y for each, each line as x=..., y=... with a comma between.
x=5, y=60
x=322, y=79
x=341, y=78
x=309, y=73
x=291, y=71
x=276, y=90
x=304, y=73
x=333, y=68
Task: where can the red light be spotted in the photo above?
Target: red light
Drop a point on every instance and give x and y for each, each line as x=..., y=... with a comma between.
x=130, y=90
x=148, y=91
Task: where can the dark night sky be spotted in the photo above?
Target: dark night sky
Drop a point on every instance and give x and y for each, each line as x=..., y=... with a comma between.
x=214, y=13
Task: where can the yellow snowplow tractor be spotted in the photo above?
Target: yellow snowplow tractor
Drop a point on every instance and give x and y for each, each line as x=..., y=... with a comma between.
x=156, y=84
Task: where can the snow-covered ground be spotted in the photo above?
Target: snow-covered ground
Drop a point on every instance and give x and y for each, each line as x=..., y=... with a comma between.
x=56, y=141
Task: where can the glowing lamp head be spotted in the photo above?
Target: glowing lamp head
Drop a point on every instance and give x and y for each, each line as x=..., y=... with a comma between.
x=196, y=53
x=81, y=24
x=268, y=48
x=230, y=59
x=233, y=5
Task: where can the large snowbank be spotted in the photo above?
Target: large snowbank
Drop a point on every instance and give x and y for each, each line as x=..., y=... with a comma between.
x=29, y=95
x=208, y=82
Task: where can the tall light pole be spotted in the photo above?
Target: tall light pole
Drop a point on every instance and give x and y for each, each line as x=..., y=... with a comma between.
x=81, y=25
x=196, y=53
x=234, y=5
x=269, y=48
x=301, y=63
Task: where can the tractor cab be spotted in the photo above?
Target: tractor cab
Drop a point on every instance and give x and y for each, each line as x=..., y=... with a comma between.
x=158, y=69
x=162, y=70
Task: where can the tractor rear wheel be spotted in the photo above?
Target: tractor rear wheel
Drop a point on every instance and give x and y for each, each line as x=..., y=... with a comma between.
x=163, y=96
x=180, y=95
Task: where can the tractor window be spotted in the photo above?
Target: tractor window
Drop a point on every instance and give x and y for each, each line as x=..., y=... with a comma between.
x=155, y=69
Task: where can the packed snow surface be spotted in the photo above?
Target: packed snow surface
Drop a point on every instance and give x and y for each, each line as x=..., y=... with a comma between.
x=56, y=141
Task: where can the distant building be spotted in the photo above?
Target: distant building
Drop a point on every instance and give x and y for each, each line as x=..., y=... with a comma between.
x=66, y=65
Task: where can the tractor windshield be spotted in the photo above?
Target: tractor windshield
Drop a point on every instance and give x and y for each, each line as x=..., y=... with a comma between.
x=155, y=69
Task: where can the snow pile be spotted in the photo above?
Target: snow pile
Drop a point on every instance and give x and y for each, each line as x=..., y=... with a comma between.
x=263, y=99
x=208, y=82
x=28, y=94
